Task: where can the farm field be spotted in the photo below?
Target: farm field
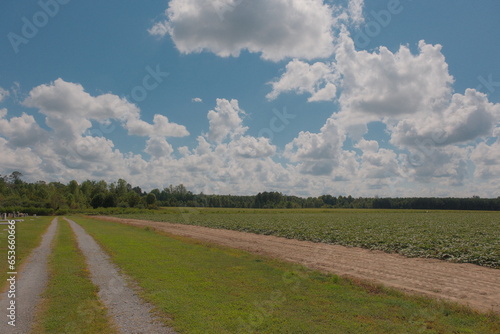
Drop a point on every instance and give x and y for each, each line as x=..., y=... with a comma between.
x=203, y=288
x=456, y=236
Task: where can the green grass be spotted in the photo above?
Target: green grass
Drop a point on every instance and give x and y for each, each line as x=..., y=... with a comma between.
x=204, y=288
x=70, y=303
x=28, y=236
x=457, y=236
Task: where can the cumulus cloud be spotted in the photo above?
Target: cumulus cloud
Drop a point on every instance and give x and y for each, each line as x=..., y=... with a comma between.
x=318, y=80
x=225, y=121
x=161, y=127
x=22, y=131
x=392, y=84
x=69, y=111
x=486, y=159
x=158, y=147
x=355, y=8
x=251, y=147
x=197, y=100
x=68, y=149
x=377, y=163
x=412, y=94
x=318, y=153
x=466, y=118
x=275, y=28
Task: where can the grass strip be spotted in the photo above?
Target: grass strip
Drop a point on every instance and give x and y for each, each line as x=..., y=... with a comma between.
x=28, y=236
x=455, y=236
x=70, y=303
x=204, y=288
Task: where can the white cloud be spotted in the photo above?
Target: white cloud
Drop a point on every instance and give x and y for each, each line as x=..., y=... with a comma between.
x=412, y=95
x=277, y=29
x=22, y=131
x=3, y=94
x=317, y=153
x=392, y=84
x=70, y=110
x=158, y=147
x=487, y=162
x=17, y=158
x=225, y=121
x=466, y=118
x=318, y=80
x=226, y=157
x=251, y=147
x=377, y=163
x=355, y=9
x=197, y=100
x=161, y=127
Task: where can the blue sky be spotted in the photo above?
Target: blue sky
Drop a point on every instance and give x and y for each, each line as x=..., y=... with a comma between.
x=307, y=97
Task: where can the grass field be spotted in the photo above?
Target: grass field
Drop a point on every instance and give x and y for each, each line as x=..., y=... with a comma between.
x=201, y=288
x=28, y=236
x=70, y=303
x=458, y=236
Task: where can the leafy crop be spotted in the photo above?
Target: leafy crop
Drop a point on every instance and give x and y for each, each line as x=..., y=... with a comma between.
x=457, y=236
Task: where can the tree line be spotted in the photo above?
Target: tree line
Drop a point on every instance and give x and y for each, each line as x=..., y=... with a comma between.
x=55, y=197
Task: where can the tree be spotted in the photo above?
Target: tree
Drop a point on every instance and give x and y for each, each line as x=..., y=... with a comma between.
x=109, y=201
x=97, y=201
x=151, y=200
x=133, y=199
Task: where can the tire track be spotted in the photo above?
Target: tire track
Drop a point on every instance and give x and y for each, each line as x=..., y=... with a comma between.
x=464, y=283
x=32, y=280
x=128, y=311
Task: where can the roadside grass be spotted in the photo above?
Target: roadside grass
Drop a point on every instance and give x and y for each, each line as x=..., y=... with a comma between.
x=28, y=236
x=203, y=288
x=70, y=303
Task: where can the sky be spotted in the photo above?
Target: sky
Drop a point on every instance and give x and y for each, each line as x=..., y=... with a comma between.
x=389, y=98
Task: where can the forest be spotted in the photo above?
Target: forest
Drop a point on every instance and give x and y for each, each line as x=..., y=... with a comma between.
x=46, y=198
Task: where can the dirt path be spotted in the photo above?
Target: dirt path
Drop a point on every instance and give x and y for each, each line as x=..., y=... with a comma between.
x=31, y=282
x=468, y=284
x=128, y=311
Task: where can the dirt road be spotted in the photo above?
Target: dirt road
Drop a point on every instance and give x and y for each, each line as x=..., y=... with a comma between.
x=468, y=284
x=128, y=311
x=31, y=281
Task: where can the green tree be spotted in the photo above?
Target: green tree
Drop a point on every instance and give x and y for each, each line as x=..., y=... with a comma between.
x=151, y=200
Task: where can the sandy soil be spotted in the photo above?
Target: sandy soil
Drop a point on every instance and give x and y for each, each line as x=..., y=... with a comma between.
x=128, y=311
x=468, y=284
x=31, y=281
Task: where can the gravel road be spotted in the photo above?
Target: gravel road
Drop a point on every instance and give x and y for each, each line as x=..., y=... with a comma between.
x=468, y=284
x=128, y=311
x=31, y=282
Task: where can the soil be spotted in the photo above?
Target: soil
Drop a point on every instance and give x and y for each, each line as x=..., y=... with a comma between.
x=475, y=286
x=116, y=291
x=31, y=281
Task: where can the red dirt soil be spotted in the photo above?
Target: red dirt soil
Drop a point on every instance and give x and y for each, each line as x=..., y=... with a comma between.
x=467, y=284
